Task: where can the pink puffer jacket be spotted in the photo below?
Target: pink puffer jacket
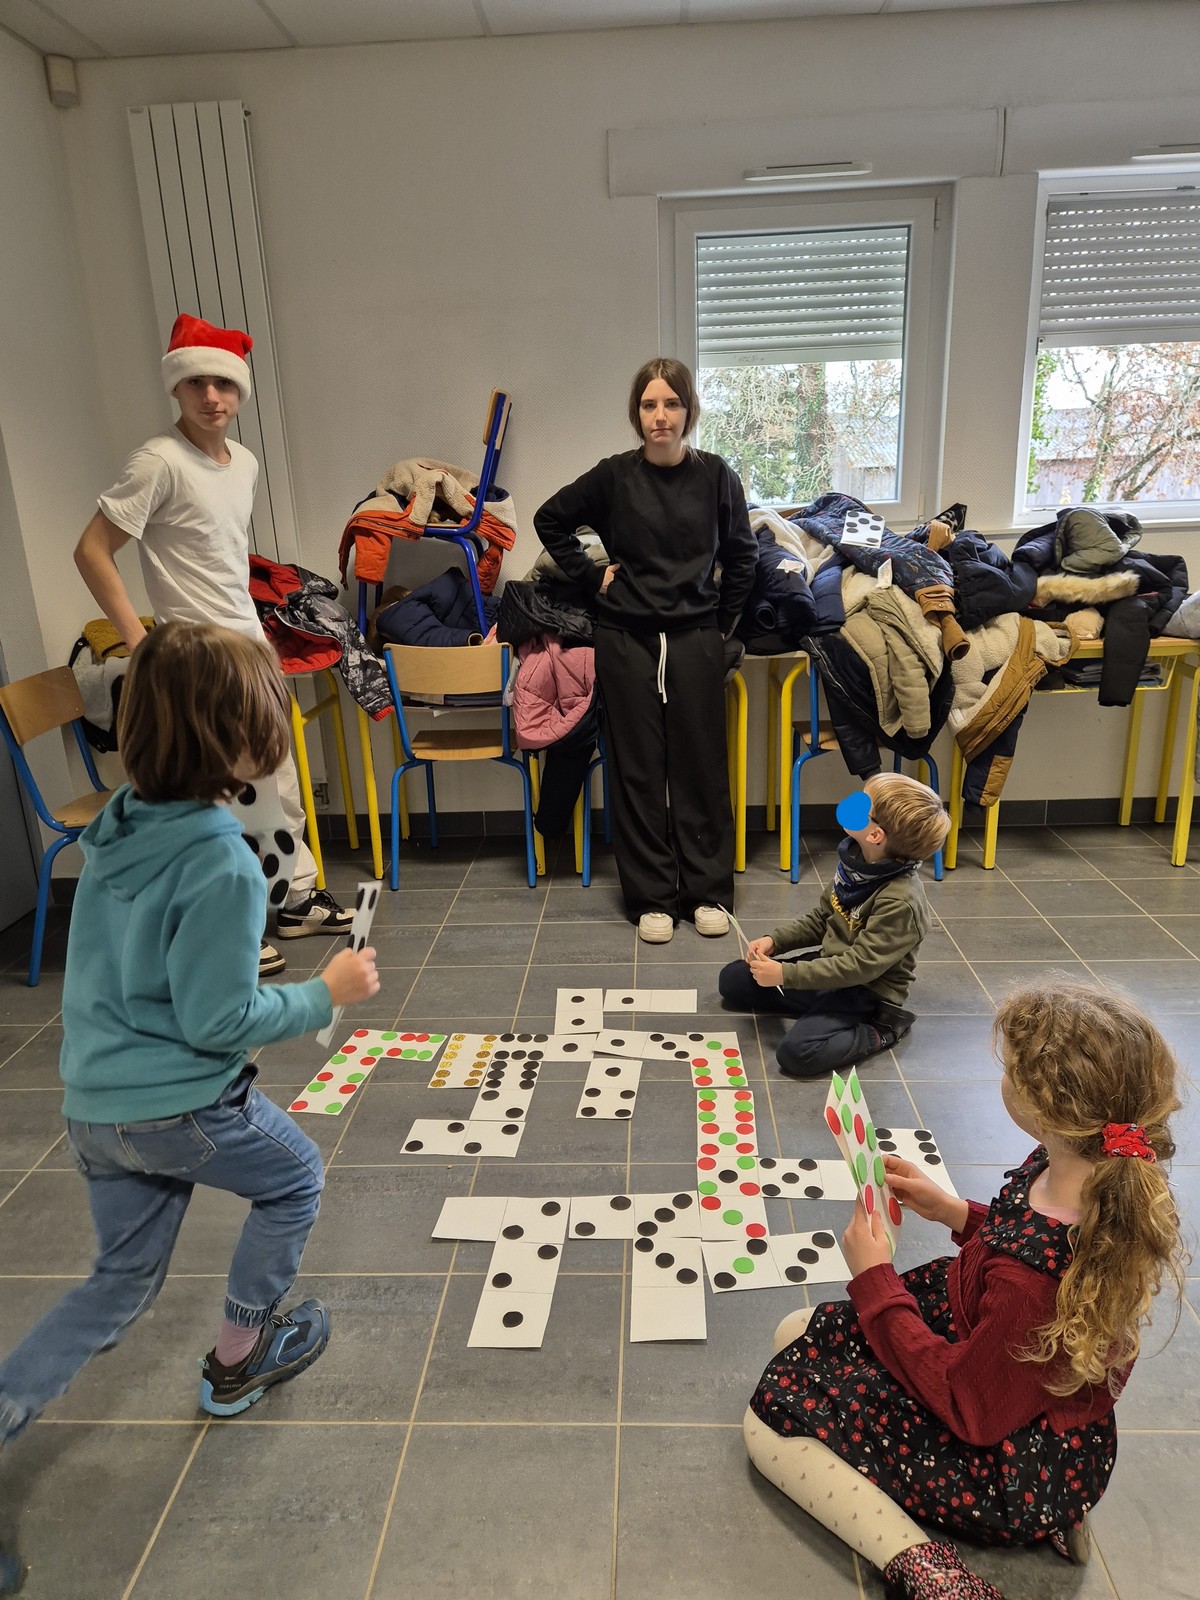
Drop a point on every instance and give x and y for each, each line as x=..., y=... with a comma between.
x=553, y=690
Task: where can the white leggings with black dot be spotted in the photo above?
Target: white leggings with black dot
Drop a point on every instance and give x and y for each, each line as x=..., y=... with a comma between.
x=824, y=1485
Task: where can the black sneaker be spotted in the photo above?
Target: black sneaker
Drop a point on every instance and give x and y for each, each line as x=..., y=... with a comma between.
x=286, y=1346
x=269, y=961
x=319, y=913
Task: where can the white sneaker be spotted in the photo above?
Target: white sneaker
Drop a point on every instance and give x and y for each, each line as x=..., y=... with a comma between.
x=711, y=921
x=655, y=927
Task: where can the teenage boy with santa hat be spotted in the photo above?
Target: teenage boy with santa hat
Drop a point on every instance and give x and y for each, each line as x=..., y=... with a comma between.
x=186, y=496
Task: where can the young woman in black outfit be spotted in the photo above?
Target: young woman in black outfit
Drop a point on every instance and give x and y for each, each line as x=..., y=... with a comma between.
x=669, y=515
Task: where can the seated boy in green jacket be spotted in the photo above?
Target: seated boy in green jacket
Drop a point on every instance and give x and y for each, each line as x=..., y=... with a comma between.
x=848, y=994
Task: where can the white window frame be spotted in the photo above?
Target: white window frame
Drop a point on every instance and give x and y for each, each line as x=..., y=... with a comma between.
x=925, y=212
x=1059, y=186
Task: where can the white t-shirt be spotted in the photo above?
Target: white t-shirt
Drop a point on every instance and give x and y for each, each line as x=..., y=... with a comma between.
x=190, y=516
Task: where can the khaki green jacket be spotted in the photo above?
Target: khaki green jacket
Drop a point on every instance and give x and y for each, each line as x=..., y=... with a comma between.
x=874, y=945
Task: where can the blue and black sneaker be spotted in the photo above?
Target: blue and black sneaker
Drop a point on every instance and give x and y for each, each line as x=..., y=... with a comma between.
x=12, y=1573
x=289, y=1342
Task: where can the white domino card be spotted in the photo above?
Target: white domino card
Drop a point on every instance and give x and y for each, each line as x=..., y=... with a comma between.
x=428, y=1137
x=740, y=1264
x=464, y=1061
x=601, y=1216
x=849, y=1121
x=471, y=1216
x=809, y=1257
x=579, y=1011
x=508, y=1321
x=674, y=1215
x=505, y=1094
x=863, y=528
x=626, y=1042
x=543, y=1218
x=665, y=1263
x=628, y=1000
x=805, y=1178
x=676, y=1312
x=610, y=1090
x=366, y=898
x=339, y=1080
x=920, y=1147
x=729, y=1218
x=481, y=1138
x=677, y=1002
x=526, y=1266
x=561, y=1049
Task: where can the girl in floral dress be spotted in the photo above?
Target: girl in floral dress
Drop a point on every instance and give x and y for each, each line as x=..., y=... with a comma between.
x=975, y=1395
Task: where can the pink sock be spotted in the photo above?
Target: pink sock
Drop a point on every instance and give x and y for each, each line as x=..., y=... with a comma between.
x=234, y=1344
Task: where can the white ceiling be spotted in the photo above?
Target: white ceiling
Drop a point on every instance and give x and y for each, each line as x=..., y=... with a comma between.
x=89, y=29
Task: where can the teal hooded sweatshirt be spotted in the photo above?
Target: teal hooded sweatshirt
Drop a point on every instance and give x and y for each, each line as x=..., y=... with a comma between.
x=161, y=999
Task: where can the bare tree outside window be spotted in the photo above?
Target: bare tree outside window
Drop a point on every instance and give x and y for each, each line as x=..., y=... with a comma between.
x=794, y=431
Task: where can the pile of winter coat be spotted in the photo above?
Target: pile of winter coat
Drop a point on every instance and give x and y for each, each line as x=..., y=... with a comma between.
x=940, y=625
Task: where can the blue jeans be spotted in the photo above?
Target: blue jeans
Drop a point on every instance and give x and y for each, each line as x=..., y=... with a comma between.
x=140, y=1177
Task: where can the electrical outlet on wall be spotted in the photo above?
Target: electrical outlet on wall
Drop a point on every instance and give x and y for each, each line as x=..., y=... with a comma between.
x=321, y=795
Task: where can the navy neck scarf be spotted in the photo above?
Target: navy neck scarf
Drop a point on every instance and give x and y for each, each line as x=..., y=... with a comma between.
x=856, y=879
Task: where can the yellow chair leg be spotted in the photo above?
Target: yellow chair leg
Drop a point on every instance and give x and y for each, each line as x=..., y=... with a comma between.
x=1133, y=737
x=306, y=794
x=1168, y=743
x=535, y=792
x=991, y=831
x=368, y=771
x=772, y=746
x=339, y=739
x=957, y=772
x=1187, y=778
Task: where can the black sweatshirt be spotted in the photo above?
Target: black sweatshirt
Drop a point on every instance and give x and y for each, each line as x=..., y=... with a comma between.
x=667, y=528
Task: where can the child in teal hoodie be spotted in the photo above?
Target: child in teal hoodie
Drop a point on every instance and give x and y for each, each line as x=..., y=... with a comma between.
x=161, y=1003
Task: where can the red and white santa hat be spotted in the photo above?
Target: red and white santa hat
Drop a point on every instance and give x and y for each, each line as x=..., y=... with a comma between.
x=200, y=350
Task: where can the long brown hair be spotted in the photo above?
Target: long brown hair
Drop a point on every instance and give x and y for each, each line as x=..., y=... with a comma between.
x=1079, y=1058
x=677, y=377
x=197, y=701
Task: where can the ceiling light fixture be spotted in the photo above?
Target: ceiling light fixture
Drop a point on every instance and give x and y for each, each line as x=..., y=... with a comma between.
x=1168, y=152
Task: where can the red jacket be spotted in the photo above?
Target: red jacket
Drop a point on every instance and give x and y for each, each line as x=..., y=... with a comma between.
x=298, y=650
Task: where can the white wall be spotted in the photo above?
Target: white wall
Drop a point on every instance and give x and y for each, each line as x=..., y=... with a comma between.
x=436, y=220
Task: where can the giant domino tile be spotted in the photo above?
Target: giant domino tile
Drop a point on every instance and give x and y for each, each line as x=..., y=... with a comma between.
x=722, y=1225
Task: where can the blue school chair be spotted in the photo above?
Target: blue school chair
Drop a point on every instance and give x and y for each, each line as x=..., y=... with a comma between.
x=479, y=672
x=29, y=708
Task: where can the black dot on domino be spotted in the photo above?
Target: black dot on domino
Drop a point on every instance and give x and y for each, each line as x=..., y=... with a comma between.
x=576, y=999
x=883, y=1133
x=623, y=1111
x=620, y=1202
x=757, y=1247
x=248, y=795
x=455, y=1127
x=358, y=898
x=251, y=841
x=513, y=1231
x=686, y=1275
x=814, y=1191
x=510, y=1128
x=664, y=1214
x=823, y=1240
x=647, y=1229
x=584, y=1230
x=472, y=1147
x=551, y=1208
x=771, y=1190
x=806, y=1253
x=628, y=1094
x=612, y=1072
x=513, y=1319
x=664, y=1260
x=587, y=1111
x=502, y=1280
x=270, y=865
x=284, y=842
x=724, y=1280
x=643, y=1245
x=796, y=1274
x=278, y=893
x=807, y=1164
x=592, y=1094
x=547, y=1252
x=681, y=1202
x=415, y=1144
x=372, y=897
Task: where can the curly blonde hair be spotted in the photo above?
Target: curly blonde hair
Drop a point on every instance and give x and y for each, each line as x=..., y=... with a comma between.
x=1079, y=1058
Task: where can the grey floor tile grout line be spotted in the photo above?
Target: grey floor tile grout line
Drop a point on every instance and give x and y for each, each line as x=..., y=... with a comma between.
x=29, y=1174
x=165, y=1512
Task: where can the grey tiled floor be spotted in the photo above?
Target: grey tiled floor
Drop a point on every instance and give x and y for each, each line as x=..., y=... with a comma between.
x=405, y=1465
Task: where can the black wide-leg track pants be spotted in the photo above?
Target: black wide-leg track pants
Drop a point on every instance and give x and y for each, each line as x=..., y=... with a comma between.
x=674, y=859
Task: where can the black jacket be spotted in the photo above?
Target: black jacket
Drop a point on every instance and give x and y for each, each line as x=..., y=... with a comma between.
x=530, y=608
x=986, y=583
x=783, y=608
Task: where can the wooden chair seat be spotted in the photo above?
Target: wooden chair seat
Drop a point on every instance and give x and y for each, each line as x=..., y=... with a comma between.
x=461, y=744
x=78, y=813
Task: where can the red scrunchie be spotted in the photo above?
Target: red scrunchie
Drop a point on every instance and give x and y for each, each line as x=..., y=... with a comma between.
x=1127, y=1139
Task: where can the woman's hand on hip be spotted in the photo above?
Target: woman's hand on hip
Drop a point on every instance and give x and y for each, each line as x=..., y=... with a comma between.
x=610, y=573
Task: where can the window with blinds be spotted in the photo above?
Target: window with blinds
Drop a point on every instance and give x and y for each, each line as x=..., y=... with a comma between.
x=800, y=338
x=1116, y=391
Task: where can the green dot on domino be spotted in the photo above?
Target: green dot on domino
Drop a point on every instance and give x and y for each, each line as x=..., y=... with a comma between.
x=731, y=1217
x=855, y=1089
x=743, y=1264
x=355, y=1077
x=336, y=1061
x=847, y=1118
x=335, y=1108
x=879, y=1172
x=727, y=1138
x=707, y=1187
x=747, y=1162
x=314, y=1088
x=860, y=1168
x=388, y=1036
